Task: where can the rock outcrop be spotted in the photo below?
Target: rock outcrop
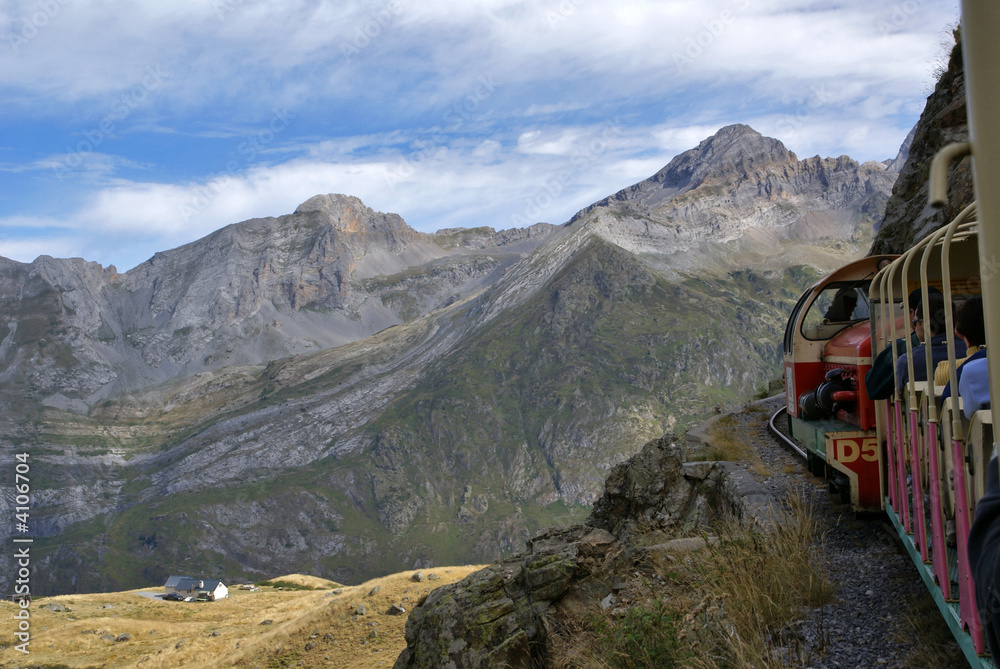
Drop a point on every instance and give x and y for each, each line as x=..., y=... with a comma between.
x=502, y=615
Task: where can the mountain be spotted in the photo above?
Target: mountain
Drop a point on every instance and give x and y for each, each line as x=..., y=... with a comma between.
x=737, y=181
x=333, y=392
x=332, y=272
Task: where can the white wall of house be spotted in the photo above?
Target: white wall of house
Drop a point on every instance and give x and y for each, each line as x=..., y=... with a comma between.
x=220, y=592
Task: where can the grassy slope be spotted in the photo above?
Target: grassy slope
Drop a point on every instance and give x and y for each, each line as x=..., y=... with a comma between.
x=229, y=632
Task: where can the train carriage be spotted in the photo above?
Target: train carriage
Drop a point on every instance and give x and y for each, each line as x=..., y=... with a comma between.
x=917, y=451
x=914, y=455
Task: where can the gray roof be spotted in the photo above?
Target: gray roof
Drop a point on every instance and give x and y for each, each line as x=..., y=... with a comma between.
x=187, y=583
x=174, y=580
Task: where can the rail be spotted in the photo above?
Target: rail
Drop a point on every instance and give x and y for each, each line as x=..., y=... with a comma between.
x=781, y=437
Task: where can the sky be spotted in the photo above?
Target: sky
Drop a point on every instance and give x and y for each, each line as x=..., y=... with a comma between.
x=131, y=127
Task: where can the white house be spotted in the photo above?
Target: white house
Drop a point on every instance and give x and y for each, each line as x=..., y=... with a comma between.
x=186, y=586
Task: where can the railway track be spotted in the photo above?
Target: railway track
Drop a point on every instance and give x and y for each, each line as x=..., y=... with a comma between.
x=780, y=436
x=880, y=615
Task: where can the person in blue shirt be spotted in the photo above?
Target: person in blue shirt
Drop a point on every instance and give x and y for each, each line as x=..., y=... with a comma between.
x=971, y=329
x=984, y=536
x=974, y=387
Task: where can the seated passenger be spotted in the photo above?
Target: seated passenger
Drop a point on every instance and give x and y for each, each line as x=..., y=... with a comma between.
x=970, y=328
x=984, y=557
x=879, y=379
x=934, y=323
x=974, y=387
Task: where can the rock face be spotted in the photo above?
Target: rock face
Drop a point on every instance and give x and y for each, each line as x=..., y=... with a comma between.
x=739, y=180
x=497, y=617
x=415, y=399
x=333, y=272
x=908, y=218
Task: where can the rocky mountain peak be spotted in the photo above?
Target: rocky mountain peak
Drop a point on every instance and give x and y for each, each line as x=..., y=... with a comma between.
x=733, y=149
x=348, y=214
x=740, y=185
x=333, y=204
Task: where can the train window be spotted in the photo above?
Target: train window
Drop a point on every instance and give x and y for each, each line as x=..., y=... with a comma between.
x=837, y=306
x=790, y=326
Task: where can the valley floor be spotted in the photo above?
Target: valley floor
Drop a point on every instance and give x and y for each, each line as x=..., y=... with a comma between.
x=269, y=627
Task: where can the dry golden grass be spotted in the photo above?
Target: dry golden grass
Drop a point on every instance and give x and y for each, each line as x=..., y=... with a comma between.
x=167, y=634
x=308, y=581
x=935, y=646
x=726, y=443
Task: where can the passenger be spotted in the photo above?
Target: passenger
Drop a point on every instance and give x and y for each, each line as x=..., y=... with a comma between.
x=974, y=387
x=971, y=329
x=879, y=379
x=934, y=325
x=984, y=535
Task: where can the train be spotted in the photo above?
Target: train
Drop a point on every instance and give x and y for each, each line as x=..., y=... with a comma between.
x=906, y=448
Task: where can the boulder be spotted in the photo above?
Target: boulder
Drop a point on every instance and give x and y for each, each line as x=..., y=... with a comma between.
x=655, y=491
x=500, y=616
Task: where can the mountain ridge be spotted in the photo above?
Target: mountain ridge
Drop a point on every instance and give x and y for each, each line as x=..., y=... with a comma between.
x=507, y=372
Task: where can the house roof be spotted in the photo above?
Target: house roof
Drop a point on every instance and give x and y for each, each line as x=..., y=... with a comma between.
x=187, y=583
x=174, y=580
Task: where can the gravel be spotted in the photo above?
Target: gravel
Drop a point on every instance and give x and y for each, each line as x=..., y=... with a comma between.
x=881, y=614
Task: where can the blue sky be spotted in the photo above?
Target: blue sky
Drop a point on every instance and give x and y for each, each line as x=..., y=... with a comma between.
x=134, y=127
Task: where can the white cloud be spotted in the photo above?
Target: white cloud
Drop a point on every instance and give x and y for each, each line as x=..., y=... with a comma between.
x=26, y=250
x=449, y=113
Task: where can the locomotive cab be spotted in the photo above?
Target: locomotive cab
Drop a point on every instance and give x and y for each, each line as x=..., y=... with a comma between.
x=826, y=352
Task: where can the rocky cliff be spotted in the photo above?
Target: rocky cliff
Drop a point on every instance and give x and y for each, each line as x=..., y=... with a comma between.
x=907, y=216
x=331, y=391
x=736, y=181
x=332, y=272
